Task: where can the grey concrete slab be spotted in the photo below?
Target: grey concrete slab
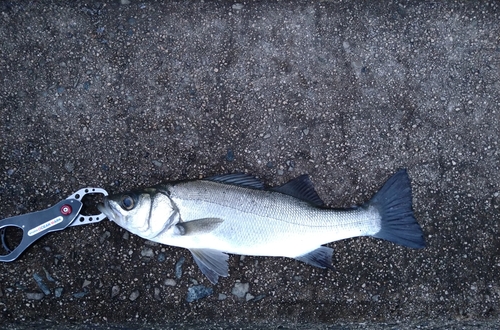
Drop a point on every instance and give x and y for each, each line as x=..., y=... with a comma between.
x=127, y=95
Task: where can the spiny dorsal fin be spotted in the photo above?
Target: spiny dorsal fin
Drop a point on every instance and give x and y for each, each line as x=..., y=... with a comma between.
x=238, y=179
x=301, y=188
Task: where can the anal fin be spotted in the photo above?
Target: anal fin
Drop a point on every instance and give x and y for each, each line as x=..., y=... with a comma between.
x=321, y=257
x=212, y=263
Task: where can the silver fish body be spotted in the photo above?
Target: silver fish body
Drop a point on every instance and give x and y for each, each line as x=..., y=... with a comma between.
x=235, y=214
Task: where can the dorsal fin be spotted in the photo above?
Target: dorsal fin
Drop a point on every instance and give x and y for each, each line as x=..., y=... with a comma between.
x=238, y=179
x=301, y=188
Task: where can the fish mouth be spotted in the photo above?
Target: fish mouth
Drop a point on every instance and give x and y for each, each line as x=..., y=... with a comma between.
x=106, y=209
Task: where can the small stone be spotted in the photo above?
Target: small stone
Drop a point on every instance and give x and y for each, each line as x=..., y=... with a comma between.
x=10, y=171
x=198, y=292
x=57, y=259
x=305, y=131
x=34, y=295
x=161, y=257
x=157, y=163
x=170, y=282
x=134, y=295
x=222, y=296
x=230, y=155
x=238, y=6
x=147, y=253
x=39, y=281
x=115, y=291
x=48, y=276
x=104, y=236
x=79, y=295
x=178, y=267
x=249, y=296
x=126, y=235
x=69, y=167
x=117, y=268
x=259, y=297
x=58, y=292
x=156, y=294
x=86, y=283
x=240, y=289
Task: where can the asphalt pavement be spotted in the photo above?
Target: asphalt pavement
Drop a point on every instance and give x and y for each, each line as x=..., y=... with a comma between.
x=127, y=94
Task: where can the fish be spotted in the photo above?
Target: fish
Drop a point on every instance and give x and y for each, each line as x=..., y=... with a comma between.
x=237, y=214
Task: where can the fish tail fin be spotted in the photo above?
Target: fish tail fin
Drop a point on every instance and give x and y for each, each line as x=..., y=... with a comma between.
x=394, y=203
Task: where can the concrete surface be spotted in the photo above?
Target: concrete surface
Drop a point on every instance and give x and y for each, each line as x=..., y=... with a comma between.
x=127, y=95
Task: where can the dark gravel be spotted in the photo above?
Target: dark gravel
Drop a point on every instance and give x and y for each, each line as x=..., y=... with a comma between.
x=120, y=96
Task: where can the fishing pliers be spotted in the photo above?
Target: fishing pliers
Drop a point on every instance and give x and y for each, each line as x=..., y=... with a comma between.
x=37, y=224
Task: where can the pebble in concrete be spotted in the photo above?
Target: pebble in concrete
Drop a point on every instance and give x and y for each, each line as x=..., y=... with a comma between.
x=170, y=282
x=134, y=295
x=34, y=295
x=198, y=292
x=115, y=291
x=39, y=281
x=240, y=289
x=178, y=267
x=147, y=253
x=58, y=292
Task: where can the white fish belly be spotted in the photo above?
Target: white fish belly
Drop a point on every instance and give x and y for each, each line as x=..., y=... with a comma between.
x=264, y=223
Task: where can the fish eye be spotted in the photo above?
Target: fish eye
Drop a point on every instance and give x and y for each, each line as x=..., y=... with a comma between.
x=127, y=203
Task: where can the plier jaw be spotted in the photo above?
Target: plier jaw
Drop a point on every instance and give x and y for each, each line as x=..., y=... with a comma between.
x=87, y=219
x=37, y=224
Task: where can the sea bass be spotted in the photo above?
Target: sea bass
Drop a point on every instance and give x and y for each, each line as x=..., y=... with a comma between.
x=235, y=214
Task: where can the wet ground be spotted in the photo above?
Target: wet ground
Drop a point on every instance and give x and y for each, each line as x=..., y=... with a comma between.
x=127, y=94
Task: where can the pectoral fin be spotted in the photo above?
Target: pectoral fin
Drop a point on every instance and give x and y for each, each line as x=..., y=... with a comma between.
x=200, y=226
x=212, y=263
x=321, y=257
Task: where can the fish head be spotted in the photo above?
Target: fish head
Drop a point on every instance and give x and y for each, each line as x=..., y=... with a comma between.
x=145, y=213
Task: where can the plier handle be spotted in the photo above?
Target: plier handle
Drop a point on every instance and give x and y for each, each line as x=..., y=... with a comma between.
x=37, y=224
